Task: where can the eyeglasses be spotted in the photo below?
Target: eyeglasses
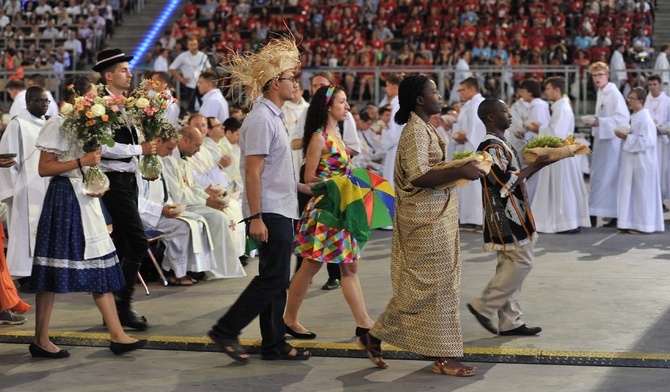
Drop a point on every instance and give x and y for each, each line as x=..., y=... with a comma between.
x=291, y=78
x=42, y=101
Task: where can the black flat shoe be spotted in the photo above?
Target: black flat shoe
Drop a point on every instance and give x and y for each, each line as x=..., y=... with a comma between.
x=38, y=352
x=297, y=335
x=360, y=331
x=483, y=321
x=523, y=330
x=120, y=348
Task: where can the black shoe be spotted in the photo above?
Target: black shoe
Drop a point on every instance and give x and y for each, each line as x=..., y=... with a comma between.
x=573, y=231
x=523, y=330
x=298, y=335
x=244, y=260
x=120, y=348
x=483, y=321
x=594, y=221
x=611, y=223
x=38, y=352
x=360, y=331
x=129, y=318
x=331, y=284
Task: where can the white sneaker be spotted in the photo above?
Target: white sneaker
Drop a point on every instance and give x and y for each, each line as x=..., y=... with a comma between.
x=11, y=318
x=386, y=228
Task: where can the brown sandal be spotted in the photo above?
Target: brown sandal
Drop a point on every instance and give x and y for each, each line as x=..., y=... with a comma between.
x=372, y=349
x=452, y=367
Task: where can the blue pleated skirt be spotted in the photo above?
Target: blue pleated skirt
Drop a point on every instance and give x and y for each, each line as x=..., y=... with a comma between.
x=59, y=265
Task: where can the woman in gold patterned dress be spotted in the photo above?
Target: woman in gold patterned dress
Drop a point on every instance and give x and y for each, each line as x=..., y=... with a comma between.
x=422, y=315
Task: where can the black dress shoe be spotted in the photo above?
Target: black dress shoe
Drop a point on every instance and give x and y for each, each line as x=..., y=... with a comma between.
x=483, y=321
x=331, y=284
x=120, y=348
x=38, y=352
x=298, y=335
x=523, y=330
x=129, y=318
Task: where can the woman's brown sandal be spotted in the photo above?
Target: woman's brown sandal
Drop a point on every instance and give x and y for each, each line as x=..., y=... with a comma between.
x=452, y=367
x=373, y=348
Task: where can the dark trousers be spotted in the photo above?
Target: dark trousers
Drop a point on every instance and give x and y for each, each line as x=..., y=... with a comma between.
x=128, y=235
x=190, y=96
x=333, y=269
x=266, y=294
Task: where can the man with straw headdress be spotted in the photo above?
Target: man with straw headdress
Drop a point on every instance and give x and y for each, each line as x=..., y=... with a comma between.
x=270, y=201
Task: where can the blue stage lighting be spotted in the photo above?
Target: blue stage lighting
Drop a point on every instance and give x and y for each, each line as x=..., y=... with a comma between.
x=150, y=37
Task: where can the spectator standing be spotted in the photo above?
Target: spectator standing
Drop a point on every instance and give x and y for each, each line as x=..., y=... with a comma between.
x=161, y=62
x=213, y=102
x=611, y=112
x=187, y=68
x=640, y=205
x=618, y=65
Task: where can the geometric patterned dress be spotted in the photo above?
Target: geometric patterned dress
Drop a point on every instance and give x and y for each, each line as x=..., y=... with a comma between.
x=315, y=240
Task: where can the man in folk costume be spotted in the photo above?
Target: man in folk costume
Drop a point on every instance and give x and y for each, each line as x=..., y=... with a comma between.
x=120, y=162
x=270, y=201
x=21, y=186
x=639, y=209
x=658, y=104
x=184, y=189
x=208, y=174
x=186, y=235
x=560, y=202
x=469, y=133
x=611, y=112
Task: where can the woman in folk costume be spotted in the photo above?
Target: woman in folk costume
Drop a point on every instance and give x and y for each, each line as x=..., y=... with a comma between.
x=325, y=157
x=423, y=315
x=74, y=251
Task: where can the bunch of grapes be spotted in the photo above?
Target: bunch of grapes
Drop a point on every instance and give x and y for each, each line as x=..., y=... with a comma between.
x=544, y=141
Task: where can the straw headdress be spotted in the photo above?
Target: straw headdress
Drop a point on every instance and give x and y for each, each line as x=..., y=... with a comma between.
x=253, y=71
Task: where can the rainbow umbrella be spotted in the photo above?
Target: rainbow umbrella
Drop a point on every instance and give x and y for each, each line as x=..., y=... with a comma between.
x=378, y=197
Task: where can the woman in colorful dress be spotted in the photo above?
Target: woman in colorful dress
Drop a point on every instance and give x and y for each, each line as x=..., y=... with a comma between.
x=74, y=252
x=325, y=157
x=422, y=315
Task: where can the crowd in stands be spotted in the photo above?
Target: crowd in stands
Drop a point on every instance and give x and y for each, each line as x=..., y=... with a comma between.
x=59, y=35
x=363, y=33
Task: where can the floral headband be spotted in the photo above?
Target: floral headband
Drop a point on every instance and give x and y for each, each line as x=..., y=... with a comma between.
x=329, y=93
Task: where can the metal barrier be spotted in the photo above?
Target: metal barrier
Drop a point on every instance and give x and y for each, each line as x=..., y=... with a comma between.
x=502, y=78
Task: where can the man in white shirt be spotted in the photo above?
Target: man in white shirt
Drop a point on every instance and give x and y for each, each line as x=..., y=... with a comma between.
x=618, y=65
x=50, y=31
x=560, y=200
x=173, y=110
x=213, y=103
x=662, y=67
x=470, y=131
x=186, y=68
x=43, y=8
x=17, y=92
x=21, y=186
x=207, y=202
x=161, y=62
x=74, y=43
x=658, y=105
x=611, y=112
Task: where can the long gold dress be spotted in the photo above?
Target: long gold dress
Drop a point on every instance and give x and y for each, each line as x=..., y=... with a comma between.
x=423, y=315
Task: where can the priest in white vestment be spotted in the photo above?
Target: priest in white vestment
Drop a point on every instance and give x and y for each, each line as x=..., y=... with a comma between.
x=560, y=203
x=183, y=189
x=207, y=171
x=186, y=237
x=469, y=131
x=611, y=112
x=21, y=186
x=218, y=143
x=639, y=207
x=658, y=104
